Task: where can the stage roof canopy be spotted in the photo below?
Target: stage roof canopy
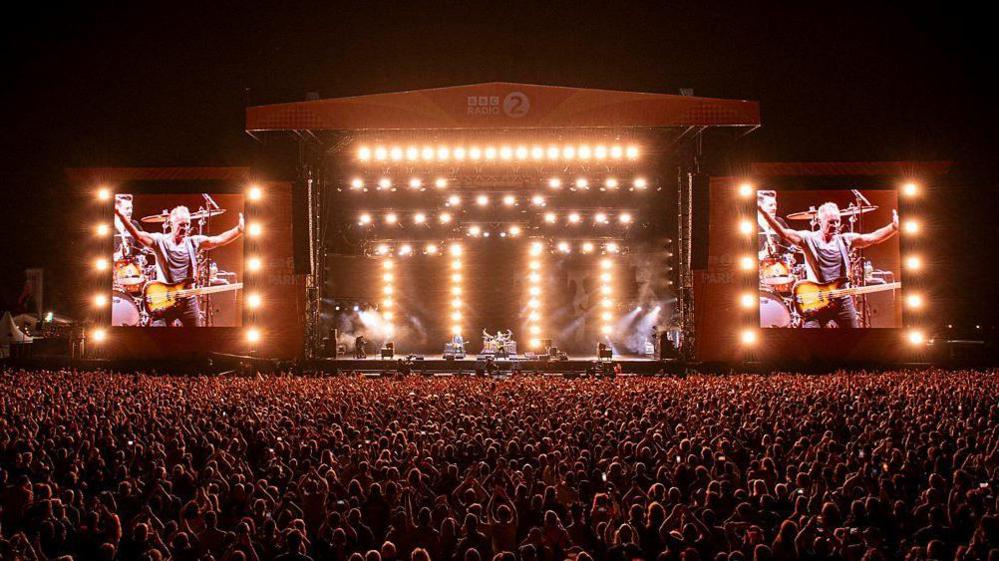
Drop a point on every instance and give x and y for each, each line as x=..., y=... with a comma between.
x=503, y=105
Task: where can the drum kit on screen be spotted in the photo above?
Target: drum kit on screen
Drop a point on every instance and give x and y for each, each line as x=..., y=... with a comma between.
x=782, y=265
x=135, y=270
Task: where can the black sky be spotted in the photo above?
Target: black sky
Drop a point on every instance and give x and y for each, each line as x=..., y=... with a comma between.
x=165, y=84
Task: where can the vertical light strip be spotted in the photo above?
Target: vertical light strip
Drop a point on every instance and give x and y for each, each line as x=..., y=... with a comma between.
x=456, y=276
x=535, y=295
x=388, y=296
x=606, y=275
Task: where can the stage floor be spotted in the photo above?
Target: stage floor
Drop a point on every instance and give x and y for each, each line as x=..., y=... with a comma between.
x=436, y=363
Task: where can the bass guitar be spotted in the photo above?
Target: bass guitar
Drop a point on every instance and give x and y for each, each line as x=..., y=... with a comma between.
x=810, y=298
x=160, y=297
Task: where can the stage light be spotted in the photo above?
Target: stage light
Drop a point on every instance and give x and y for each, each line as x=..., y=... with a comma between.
x=916, y=337
x=625, y=218
x=913, y=262
x=456, y=277
x=412, y=153
x=584, y=152
x=440, y=183
x=610, y=183
x=427, y=153
x=553, y=152
x=606, y=303
x=364, y=153
x=564, y=247
x=911, y=227
x=631, y=152
x=252, y=335
x=509, y=200
x=456, y=330
x=749, y=337
x=538, y=200
x=574, y=218
x=605, y=277
x=101, y=264
x=582, y=183
x=537, y=152
x=745, y=227
x=474, y=231
x=415, y=183
x=253, y=300
x=746, y=190
x=459, y=153
x=606, y=263
x=388, y=277
x=550, y=217
x=388, y=315
x=384, y=183
x=482, y=200
x=537, y=248
x=100, y=300
x=405, y=249
x=600, y=218
x=534, y=291
x=910, y=189
x=103, y=194
x=430, y=249
x=616, y=152
x=533, y=303
x=600, y=152
x=606, y=316
x=454, y=200
x=396, y=153
x=474, y=153
x=914, y=301
x=387, y=290
x=587, y=247
x=387, y=264
x=521, y=152
x=102, y=230
x=456, y=315
x=455, y=291
x=456, y=303
x=254, y=230
x=389, y=330
x=534, y=343
x=506, y=153
x=381, y=153
x=443, y=154
x=534, y=330
x=555, y=183
x=364, y=219
x=747, y=300
x=456, y=264
x=514, y=231
x=98, y=335
x=489, y=153
x=387, y=303
x=391, y=218
x=534, y=265
x=419, y=218
x=382, y=249
x=640, y=183
x=444, y=218
x=455, y=250
x=605, y=290
x=356, y=183
x=533, y=317
x=612, y=247
x=606, y=329
x=747, y=263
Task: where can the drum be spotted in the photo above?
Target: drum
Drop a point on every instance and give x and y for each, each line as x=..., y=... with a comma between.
x=777, y=272
x=128, y=274
x=124, y=310
x=773, y=311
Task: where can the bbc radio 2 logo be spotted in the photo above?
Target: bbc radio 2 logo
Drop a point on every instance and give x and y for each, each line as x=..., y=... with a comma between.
x=515, y=104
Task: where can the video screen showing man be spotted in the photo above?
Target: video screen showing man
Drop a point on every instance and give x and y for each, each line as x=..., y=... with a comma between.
x=832, y=270
x=172, y=277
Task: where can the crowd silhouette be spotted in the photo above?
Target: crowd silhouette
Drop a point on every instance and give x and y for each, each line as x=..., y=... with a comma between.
x=846, y=466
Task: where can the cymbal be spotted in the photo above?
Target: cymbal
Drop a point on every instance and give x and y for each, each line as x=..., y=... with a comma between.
x=849, y=211
x=163, y=216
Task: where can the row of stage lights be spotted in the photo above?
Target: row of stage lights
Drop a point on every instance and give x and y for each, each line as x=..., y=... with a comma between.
x=748, y=263
x=534, y=295
x=638, y=183
x=254, y=264
x=420, y=218
x=503, y=153
x=433, y=249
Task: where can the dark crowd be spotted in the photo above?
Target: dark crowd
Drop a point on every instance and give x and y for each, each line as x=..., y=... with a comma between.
x=849, y=466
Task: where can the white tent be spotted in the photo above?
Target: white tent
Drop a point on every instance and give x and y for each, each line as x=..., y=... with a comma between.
x=10, y=334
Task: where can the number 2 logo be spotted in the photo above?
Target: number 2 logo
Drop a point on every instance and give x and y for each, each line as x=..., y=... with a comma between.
x=516, y=104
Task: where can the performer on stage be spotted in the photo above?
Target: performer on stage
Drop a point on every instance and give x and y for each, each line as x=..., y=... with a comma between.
x=176, y=258
x=827, y=256
x=125, y=243
x=768, y=238
x=359, y=342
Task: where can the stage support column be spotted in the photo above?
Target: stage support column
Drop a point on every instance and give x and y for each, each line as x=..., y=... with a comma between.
x=684, y=245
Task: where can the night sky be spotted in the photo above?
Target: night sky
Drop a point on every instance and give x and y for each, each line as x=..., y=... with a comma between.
x=133, y=85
